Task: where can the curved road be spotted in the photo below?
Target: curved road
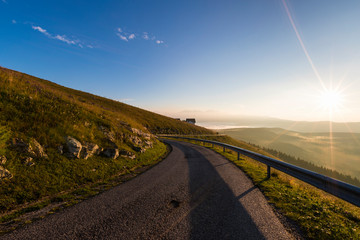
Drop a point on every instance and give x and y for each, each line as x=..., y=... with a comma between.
x=193, y=194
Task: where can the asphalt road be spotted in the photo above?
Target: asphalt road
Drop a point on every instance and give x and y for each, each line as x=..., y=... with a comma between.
x=193, y=194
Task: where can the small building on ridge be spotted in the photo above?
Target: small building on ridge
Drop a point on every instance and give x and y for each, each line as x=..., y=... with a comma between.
x=190, y=120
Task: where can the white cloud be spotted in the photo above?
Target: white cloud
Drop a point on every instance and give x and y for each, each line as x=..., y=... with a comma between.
x=62, y=38
x=146, y=36
x=42, y=30
x=65, y=39
x=39, y=29
x=122, y=37
x=125, y=36
x=4, y=1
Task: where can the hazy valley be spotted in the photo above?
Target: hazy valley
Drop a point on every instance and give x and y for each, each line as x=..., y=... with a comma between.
x=338, y=151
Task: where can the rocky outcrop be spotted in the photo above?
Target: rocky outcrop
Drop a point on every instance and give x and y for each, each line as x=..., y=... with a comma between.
x=127, y=154
x=136, y=131
x=73, y=147
x=34, y=149
x=110, y=153
x=89, y=149
x=135, y=140
x=37, y=149
x=5, y=174
x=29, y=161
x=141, y=133
x=148, y=144
x=21, y=146
x=108, y=134
x=2, y=160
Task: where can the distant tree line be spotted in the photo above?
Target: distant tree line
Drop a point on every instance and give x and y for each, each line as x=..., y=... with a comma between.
x=312, y=167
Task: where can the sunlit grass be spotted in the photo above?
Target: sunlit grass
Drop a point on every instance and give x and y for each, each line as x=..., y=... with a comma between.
x=4, y=137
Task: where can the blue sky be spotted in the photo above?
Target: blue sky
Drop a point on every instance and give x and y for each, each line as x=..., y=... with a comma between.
x=198, y=58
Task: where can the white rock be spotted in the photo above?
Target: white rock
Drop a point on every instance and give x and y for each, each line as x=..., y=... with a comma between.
x=73, y=147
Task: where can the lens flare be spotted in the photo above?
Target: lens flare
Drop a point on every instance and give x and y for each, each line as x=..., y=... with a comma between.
x=316, y=72
x=331, y=99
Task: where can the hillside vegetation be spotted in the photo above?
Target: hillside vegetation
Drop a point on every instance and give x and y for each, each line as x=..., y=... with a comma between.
x=54, y=138
x=337, y=152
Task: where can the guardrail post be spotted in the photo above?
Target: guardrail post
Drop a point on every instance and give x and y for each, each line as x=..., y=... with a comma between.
x=212, y=145
x=224, y=149
x=268, y=171
x=238, y=156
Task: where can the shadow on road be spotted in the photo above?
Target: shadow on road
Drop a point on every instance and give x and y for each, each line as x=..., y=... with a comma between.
x=216, y=212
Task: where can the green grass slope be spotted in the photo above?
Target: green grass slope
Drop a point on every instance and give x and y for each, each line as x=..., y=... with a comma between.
x=35, y=110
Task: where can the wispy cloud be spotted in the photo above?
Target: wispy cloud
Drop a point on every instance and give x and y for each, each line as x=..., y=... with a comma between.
x=122, y=37
x=62, y=38
x=145, y=36
x=13, y=21
x=40, y=29
x=4, y=1
x=125, y=36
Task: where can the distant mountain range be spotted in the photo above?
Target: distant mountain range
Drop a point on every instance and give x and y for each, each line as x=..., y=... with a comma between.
x=299, y=126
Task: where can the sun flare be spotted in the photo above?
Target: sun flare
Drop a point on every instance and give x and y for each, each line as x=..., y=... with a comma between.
x=331, y=99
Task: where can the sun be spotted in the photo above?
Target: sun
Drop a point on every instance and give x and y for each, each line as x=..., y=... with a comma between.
x=331, y=99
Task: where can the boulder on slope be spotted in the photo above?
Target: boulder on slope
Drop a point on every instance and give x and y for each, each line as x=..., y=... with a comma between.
x=38, y=149
x=5, y=174
x=89, y=149
x=73, y=147
x=110, y=153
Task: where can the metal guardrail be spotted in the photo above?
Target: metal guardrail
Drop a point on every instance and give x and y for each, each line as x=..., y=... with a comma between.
x=335, y=187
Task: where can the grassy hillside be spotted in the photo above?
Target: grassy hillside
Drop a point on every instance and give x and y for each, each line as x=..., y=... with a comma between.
x=340, y=151
x=37, y=116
